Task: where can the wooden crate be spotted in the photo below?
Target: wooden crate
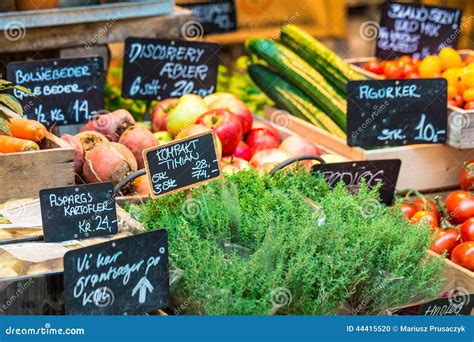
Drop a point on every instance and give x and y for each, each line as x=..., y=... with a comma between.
x=25, y=174
x=460, y=121
x=424, y=167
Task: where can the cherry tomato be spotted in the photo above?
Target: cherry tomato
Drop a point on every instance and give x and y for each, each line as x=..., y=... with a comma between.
x=445, y=240
x=460, y=205
x=393, y=70
x=408, y=210
x=405, y=59
x=412, y=75
x=469, y=59
x=375, y=67
x=421, y=205
x=467, y=230
x=463, y=254
x=456, y=101
x=425, y=216
x=452, y=91
x=468, y=95
x=409, y=68
x=416, y=62
x=469, y=105
x=430, y=67
x=467, y=176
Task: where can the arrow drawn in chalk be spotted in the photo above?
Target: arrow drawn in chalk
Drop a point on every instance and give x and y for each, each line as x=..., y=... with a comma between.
x=143, y=285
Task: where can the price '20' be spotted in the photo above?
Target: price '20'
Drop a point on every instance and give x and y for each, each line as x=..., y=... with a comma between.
x=184, y=87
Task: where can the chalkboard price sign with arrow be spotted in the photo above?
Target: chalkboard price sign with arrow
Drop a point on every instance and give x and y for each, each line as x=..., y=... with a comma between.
x=124, y=276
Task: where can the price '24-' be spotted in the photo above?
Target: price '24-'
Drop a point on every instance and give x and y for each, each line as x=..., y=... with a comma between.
x=426, y=131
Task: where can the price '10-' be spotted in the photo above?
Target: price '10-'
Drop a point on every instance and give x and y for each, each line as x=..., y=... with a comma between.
x=426, y=131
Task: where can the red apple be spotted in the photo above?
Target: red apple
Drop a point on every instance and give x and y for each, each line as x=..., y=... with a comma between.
x=269, y=158
x=198, y=129
x=237, y=108
x=262, y=124
x=160, y=113
x=297, y=146
x=261, y=139
x=227, y=126
x=243, y=151
x=231, y=164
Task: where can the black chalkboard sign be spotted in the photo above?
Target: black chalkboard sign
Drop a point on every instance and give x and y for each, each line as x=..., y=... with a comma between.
x=373, y=172
x=162, y=68
x=182, y=164
x=67, y=91
x=458, y=305
x=78, y=212
x=124, y=276
x=216, y=16
x=416, y=30
x=396, y=112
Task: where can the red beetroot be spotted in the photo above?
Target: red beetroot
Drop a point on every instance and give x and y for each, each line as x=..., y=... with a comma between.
x=160, y=113
x=243, y=151
x=112, y=125
x=261, y=139
x=108, y=163
x=78, y=151
x=90, y=139
x=137, y=139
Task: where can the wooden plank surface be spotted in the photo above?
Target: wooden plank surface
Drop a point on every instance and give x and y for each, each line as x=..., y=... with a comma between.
x=99, y=33
x=24, y=174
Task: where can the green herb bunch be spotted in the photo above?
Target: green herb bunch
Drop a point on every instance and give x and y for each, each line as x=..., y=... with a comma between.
x=256, y=245
x=10, y=102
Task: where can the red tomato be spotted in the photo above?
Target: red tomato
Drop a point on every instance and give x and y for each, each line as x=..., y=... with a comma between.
x=409, y=69
x=421, y=205
x=463, y=254
x=467, y=176
x=375, y=67
x=445, y=240
x=408, y=210
x=412, y=75
x=467, y=230
x=469, y=59
x=425, y=216
x=469, y=105
x=460, y=205
x=405, y=59
x=393, y=70
x=416, y=62
x=456, y=101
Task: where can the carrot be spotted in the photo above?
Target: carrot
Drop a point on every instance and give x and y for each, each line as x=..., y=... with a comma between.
x=27, y=129
x=11, y=144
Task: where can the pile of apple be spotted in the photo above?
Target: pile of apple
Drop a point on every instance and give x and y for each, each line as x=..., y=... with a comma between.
x=110, y=147
x=243, y=141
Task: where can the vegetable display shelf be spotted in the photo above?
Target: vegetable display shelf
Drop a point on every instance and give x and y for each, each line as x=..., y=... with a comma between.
x=460, y=121
x=74, y=27
x=424, y=167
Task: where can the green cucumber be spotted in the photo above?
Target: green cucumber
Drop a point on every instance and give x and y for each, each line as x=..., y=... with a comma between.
x=302, y=76
x=329, y=64
x=290, y=98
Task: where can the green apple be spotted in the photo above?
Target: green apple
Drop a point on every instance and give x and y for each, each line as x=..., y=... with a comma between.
x=163, y=136
x=186, y=112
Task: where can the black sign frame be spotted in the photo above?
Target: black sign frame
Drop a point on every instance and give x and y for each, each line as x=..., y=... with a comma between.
x=98, y=197
x=427, y=25
x=118, y=296
x=84, y=97
x=203, y=167
x=152, y=79
x=412, y=111
x=384, y=172
x=216, y=24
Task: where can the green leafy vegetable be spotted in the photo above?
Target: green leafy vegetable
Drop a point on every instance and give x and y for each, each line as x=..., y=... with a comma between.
x=251, y=245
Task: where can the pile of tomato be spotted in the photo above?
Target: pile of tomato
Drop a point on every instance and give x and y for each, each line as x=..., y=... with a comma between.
x=451, y=222
x=458, y=71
